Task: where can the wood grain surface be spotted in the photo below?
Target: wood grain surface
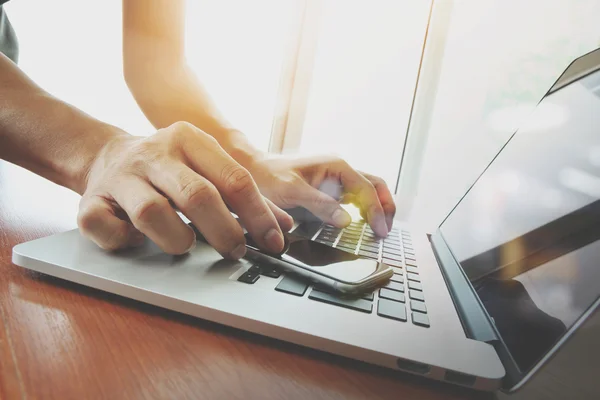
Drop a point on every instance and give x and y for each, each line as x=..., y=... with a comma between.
x=59, y=340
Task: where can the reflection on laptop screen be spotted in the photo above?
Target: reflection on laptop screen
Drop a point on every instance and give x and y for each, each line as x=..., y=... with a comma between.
x=527, y=233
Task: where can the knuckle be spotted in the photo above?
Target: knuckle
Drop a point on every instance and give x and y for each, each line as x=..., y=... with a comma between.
x=196, y=193
x=237, y=180
x=146, y=210
x=340, y=162
x=142, y=155
x=88, y=218
x=182, y=127
x=208, y=139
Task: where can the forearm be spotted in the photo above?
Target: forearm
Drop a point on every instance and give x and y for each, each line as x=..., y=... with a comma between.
x=45, y=135
x=171, y=93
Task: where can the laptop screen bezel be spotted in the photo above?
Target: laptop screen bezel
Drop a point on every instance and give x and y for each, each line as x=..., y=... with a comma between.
x=515, y=379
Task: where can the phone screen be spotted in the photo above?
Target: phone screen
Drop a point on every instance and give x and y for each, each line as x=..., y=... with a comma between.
x=323, y=259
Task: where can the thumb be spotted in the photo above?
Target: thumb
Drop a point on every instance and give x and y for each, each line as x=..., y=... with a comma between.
x=320, y=204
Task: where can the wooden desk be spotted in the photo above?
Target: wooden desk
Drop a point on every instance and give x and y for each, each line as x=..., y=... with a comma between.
x=65, y=341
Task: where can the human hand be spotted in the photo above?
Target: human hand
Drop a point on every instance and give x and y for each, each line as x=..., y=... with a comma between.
x=320, y=184
x=134, y=183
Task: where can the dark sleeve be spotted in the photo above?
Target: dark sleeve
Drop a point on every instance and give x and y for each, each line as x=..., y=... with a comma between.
x=8, y=39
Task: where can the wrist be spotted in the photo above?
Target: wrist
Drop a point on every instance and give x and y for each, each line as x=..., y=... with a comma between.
x=94, y=143
x=236, y=144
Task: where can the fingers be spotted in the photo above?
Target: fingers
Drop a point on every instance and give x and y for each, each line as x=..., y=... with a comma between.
x=365, y=194
x=320, y=204
x=385, y=197
x=199, y=200
x=151, y=214
x=238, y=189
x=98, y=222
x=286, y=222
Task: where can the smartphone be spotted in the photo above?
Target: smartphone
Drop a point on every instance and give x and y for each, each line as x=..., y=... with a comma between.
x=323, y=265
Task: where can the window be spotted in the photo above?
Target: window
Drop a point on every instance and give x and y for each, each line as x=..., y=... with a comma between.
x=499, y=59
x=338, y=76
x=363, y=81
x=238, y=49
x=73, y=49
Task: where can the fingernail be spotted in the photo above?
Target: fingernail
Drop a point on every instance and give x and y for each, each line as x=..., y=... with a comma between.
x=238, y=252
x=341, y=218
x=193, y=245
x=274, y=240
x=379, y=226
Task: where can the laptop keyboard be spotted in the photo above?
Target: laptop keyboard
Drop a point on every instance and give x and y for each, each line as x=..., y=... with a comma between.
x=401, y=299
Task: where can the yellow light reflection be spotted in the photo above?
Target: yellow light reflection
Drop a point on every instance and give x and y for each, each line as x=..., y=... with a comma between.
x=353, y=211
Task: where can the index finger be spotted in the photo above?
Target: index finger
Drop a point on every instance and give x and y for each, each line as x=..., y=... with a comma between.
x=366, y=195
x=385, y=198
x=238, y=189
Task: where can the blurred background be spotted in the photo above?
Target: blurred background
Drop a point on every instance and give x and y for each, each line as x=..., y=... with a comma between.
x=338, y=76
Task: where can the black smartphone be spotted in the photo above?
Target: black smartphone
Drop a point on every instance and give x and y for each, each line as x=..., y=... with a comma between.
x=321, y=264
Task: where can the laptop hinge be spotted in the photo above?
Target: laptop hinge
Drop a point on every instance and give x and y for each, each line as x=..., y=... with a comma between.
x=475, y=320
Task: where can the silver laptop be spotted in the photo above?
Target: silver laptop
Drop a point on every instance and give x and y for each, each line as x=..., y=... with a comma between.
x=483, y=302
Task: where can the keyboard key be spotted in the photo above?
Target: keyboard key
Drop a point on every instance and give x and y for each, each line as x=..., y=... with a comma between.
x=327, y=242
x=413, y=277
x=420, y=319
x=415, y=286
x=391, y=295
x=329, y=238
x=374, y=247
x=392, y=245
x=353, y=229
x=370, y=242
x=351, y=236
x=415, y=295
x=397, y=278
x=368, y=254
x=410, y=259
x=392, y=263
x=392, y=256
x=270, y=271
x=391, y=309
x=354, y=304
x=412, y=268
x=348, y=241
x=345, y=247
x=292, y=285
x=418, y=306
x=368, y=296
x=393, y=285
x=408, y=248
x=387, y=250
x=250, y=276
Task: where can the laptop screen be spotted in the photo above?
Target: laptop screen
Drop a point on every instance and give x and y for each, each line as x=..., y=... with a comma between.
x=527, y=233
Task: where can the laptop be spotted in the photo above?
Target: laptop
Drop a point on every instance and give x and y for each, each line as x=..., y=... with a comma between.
x=483, y=302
